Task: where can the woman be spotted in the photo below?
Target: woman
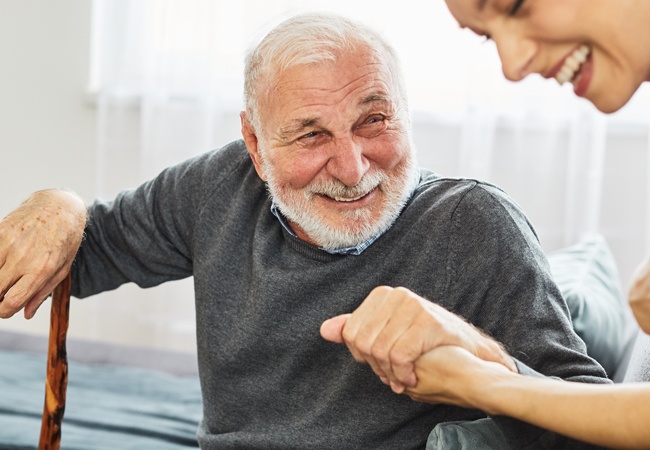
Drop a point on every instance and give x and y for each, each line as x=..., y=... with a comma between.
x=602, y=47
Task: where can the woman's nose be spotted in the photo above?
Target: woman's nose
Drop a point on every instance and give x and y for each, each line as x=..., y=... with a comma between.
x=516, y=53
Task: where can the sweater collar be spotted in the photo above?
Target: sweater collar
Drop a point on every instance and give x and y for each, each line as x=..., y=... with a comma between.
x=354, y=250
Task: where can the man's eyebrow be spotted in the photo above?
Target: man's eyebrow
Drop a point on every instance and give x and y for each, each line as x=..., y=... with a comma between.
x=296, y=126
x=376, y=98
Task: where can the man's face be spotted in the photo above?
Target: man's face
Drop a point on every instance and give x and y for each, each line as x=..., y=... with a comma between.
x=335, y=149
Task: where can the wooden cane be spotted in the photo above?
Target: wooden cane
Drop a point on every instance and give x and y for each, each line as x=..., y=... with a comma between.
x=57, y=368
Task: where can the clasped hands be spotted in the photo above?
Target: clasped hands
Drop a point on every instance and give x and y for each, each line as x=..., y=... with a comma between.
x=405, y=339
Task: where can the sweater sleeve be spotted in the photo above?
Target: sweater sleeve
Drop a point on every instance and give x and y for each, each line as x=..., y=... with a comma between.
x=145, y=235
x=500, y=280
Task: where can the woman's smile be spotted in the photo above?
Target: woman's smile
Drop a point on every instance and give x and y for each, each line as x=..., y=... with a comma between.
x=576, y=67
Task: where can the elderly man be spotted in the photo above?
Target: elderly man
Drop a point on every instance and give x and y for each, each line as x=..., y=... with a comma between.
x=314, y=215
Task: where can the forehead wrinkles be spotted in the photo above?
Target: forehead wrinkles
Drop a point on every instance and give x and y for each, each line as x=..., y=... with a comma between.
x=354, y=76
x=335, y=84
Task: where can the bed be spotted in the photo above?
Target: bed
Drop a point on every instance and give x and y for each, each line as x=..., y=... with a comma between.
x=109, y=406
x=130, y=398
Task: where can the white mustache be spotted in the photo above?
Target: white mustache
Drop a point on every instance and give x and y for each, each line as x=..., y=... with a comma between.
x=337, y=190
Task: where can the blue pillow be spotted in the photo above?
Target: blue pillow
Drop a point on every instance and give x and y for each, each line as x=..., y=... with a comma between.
x=467, y=435
x=587, y=276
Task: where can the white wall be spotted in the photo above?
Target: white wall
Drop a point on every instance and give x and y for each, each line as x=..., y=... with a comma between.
x=47, y=128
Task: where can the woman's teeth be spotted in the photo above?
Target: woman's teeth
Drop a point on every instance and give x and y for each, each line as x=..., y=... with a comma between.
x=572, y=64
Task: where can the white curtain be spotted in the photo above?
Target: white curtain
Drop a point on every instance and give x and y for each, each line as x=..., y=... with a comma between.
x=167, y=75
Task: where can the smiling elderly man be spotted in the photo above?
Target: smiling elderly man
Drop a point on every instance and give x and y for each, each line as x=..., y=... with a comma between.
x=320, y=211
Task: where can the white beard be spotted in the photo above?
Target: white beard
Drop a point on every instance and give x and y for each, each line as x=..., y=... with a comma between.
x=358, y=226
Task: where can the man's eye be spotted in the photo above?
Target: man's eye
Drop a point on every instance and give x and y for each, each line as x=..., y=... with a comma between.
x=313, y=134
x=313, y=138
x=372, y=126
x=375, y=119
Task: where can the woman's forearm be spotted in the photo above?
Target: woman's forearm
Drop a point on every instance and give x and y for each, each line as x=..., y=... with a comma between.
x=609, y=415
x=612, y=415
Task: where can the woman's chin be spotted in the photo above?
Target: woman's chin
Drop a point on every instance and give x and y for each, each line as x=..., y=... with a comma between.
x=611, y=101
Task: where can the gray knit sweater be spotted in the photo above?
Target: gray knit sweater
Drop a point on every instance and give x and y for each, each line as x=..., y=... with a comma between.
x=268, y=379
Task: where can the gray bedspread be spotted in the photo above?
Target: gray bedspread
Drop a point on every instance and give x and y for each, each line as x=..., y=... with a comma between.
x=107, y=407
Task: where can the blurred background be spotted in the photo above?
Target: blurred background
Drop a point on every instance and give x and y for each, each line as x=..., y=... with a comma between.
x=98, y=96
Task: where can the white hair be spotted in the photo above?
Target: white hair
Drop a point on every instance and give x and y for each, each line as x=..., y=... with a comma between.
x=311, y=38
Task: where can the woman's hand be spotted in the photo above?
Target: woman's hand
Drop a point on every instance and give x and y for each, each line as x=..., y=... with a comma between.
x=452, y=375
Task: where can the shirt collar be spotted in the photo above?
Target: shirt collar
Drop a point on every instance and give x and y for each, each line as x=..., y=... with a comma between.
x=354, y=250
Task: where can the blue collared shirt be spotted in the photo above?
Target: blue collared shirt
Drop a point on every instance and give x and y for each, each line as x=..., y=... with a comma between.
x=355, y=250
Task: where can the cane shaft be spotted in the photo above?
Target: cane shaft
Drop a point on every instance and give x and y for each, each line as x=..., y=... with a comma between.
x=57, y=369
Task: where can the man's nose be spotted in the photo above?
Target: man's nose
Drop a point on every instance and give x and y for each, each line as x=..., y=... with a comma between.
x=516, y=53
x=347, y=162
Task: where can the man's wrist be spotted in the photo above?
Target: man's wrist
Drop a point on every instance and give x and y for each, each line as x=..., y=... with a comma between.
x=500, y=355
x=69, y=201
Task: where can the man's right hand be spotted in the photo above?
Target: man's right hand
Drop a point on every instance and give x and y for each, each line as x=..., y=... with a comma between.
x=38, y=243
x=393, y=327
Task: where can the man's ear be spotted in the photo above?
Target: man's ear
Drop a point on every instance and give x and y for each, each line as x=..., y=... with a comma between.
x=250, y=138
